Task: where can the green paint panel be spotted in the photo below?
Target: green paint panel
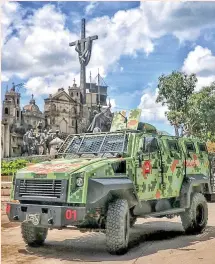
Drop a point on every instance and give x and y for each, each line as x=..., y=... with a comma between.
x=155, y=174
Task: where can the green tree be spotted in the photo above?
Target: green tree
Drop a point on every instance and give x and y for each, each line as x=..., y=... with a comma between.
x=174, y=91
x=201, y=113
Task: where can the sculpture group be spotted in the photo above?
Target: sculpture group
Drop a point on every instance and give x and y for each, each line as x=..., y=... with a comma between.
x=41, y=142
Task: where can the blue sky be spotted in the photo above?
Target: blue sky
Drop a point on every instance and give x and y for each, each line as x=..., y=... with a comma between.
x=137, y=43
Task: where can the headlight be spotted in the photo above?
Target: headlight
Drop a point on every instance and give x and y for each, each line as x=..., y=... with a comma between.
x=80, y=182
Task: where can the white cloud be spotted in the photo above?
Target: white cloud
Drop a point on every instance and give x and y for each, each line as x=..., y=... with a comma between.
x=152, y=111
x=50, y=83
x=40, y=46
x=10, y=14
x=200, y=61
x=91, y=7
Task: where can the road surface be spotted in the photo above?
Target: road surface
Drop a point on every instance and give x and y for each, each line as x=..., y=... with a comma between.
x=152, y=241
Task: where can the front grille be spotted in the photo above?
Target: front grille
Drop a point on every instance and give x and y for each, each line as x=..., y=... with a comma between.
x=41, y=189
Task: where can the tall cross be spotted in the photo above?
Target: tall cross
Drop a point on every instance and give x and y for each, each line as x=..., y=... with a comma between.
x=84, y=47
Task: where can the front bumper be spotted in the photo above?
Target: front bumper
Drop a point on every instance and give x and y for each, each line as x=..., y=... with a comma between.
x=46, y=215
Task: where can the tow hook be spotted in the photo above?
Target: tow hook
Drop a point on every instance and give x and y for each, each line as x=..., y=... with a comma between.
x=50, y=221
x=16, y=217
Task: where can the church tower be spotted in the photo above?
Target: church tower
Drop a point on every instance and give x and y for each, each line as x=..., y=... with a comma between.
x=75, y=92
x=11, y=111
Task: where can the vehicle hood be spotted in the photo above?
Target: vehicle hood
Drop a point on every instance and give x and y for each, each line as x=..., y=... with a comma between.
x=60, y=166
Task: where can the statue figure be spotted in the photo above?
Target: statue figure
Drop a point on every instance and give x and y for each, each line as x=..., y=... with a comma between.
x=30, y=141
x=84, y=55
x=49, y=138
x=99, y=120
x=24, y=147
x=55, y=143
x=42, y=142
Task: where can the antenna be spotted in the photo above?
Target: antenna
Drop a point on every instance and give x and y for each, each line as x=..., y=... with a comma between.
x=99, y=90
x=91, y=91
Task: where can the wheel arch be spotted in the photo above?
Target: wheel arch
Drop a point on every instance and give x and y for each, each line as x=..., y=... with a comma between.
x=193, y=183
x=102, y=191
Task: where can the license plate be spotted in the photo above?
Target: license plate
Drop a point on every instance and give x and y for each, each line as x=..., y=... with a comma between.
x=34, y=218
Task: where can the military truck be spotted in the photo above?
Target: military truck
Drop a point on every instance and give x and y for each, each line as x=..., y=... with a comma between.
x=105, y=181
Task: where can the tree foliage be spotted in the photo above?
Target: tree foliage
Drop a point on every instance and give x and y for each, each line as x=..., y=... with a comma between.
x=174, y=91
x=201, y=113
x=193, y=113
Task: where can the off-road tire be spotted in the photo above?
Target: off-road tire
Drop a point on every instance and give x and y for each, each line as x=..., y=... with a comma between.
x=117, y=227
x=133, y=220
x=32, y=235
x=194, y=219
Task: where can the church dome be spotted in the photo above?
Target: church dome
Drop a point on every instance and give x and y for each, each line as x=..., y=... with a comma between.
x=32, y=107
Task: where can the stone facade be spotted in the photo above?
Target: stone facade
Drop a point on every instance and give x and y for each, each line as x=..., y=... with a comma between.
x=15, y=122
x=63, y=111
x=32, y=115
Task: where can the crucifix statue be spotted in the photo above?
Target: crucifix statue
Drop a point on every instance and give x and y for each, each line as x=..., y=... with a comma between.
x=83, y=48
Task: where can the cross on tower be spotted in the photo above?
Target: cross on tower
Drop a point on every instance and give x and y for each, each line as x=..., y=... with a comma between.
x=84, y=47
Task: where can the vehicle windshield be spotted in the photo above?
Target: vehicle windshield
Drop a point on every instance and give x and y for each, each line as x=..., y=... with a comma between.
x=109, y=143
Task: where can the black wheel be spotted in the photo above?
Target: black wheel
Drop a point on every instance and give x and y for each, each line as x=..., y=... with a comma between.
x=117, y=227
x=195, y=218
x=32, y=235
x=133, y=220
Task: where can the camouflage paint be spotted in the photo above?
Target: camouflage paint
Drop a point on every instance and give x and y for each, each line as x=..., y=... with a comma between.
x=133, y=119
x=118, y=122
x=173, y=168
x=148, y=185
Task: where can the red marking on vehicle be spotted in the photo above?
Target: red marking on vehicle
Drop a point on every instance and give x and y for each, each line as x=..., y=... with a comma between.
x=192, y=163
x=146, y=168
x=158, y=194
x=8, y=209
x=71, y=214
x=174, y=164
x=44, y=169
x=132, y=122
x=194, y=157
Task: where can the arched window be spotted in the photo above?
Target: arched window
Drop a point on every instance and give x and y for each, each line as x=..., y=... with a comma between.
x=17, y=100
x=77, y=94
x=17, y=113
x=72, y=94
x=6, y=111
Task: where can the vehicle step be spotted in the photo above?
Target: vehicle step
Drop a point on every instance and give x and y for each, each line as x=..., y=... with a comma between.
x=168, y=212
x=210, y=197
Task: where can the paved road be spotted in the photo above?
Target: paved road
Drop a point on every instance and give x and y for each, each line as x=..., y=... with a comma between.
x=152, y=241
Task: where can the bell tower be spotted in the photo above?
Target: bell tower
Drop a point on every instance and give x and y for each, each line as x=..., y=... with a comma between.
x=75, y=92
x=11, y=111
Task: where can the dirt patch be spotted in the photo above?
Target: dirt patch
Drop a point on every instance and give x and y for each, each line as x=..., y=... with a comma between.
x=10, y=254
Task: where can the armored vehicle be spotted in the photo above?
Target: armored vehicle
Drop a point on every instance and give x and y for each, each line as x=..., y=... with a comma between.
x=105, y=181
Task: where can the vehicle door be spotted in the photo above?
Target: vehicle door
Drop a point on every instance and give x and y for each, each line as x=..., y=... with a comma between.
x=148, y=171
x=173, y=167
x=202, y=156
x=192, y=163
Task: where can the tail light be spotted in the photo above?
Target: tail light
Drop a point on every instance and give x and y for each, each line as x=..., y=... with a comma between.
x=7, y=208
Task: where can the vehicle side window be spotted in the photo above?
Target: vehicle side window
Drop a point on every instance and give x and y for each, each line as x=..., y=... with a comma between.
x=173, y=145
x=190, y=147
x=202, y=147
x=150, y=144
